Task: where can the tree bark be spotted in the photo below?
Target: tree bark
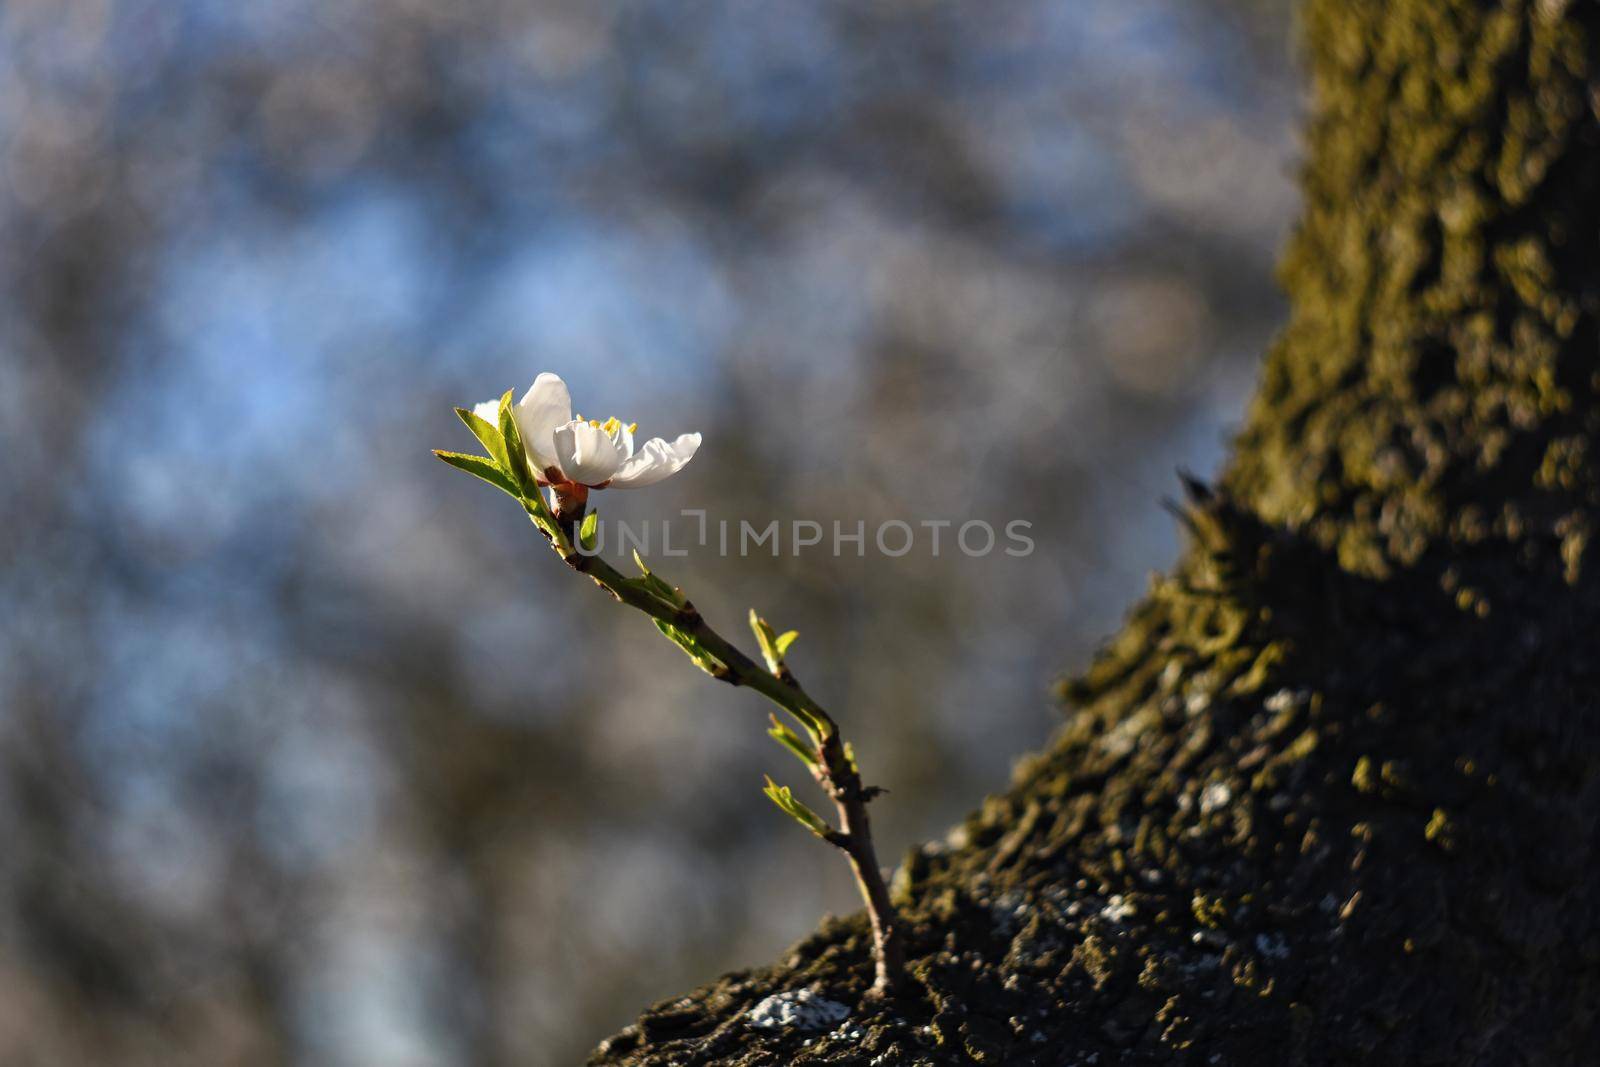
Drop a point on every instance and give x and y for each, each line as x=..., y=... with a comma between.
x=1331, y=796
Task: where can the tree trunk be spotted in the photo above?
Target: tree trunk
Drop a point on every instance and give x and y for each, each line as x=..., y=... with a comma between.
x=1332, y=794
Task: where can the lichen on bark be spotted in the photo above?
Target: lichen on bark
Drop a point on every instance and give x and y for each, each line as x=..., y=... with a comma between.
x=1332, y=793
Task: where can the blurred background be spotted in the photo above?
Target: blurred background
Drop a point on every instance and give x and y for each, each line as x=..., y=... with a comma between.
x=310, y=753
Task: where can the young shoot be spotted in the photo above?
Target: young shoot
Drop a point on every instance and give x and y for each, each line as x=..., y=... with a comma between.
x=549, y=460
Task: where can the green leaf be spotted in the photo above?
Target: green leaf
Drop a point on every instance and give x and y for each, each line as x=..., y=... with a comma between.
x=781, y=796
x=516, y=452
x=653, y=584
x=766, y=638
x=517, y=466
x=758, y=626
x=692, y=648
x=588, y=533
x=486, y=432
x=480, y=467
x=773, y=648
x=791, y=741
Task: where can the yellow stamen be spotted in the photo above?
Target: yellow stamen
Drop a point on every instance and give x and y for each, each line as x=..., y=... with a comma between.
x=611, y=427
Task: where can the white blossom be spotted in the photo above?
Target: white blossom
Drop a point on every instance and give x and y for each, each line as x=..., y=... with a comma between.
x=568, y=451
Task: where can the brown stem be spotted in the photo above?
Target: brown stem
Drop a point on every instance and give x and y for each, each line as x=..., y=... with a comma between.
x=843, y=784
x=833, y=769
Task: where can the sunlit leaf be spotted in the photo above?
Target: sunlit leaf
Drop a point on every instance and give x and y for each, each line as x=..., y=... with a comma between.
x=488, y=434
x=781, y=796
x=653, y=584
x=758, y=626
x=792, y=741
x=766, y=637
x=516, y=454
x=692, y=648
x=588, y=533
x=480, y=467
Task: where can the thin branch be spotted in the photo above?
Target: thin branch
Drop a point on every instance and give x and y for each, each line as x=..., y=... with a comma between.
x=833, y=769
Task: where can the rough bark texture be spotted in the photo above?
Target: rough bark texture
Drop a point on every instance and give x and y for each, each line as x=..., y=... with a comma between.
x=1332, y=794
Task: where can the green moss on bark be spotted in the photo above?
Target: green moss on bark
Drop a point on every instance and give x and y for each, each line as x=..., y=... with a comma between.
x=1441, y=345
x=1331, y=794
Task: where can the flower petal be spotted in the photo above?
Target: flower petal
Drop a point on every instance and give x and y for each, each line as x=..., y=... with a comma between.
x=586, y=454
x=488, y=411
x=623, y=437
x=655, y=461
x=543, y=409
